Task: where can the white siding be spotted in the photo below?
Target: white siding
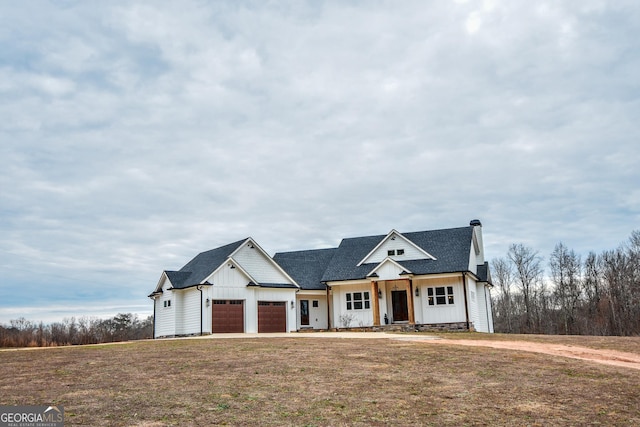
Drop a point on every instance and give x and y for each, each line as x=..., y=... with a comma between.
x=165, y=321
x=359, y=317
x=317, y=315
x=472, y=295
x=410, y=251
x=259, y=266
x=440, y=313
x=227, y=277
x=388, y=271
x=188, y=312
x=484, y=320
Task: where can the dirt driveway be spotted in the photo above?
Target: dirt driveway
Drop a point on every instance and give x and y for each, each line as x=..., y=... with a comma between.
x=606, y=357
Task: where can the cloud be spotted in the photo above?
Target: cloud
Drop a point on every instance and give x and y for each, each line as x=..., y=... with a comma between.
x=139, y=134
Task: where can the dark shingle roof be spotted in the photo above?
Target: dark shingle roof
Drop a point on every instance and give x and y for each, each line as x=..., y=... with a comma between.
x=450, y=247
x=205, y=263
x=306, y=267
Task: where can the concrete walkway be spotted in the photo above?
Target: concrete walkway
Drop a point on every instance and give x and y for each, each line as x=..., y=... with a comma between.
x=349, y=335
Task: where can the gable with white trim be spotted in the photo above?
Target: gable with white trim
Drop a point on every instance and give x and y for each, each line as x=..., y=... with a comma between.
x=396, y=247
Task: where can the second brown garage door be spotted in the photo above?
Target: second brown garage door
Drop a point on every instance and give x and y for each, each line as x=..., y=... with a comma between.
x=272, y=316
x=227, y=316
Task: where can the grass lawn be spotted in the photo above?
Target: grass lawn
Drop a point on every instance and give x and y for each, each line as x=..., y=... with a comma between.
x=303, y=381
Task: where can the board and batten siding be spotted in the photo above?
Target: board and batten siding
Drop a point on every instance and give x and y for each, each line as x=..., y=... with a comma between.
x=258, y=266
x=410, y=251
x=165, y=317
x=317, y=315
x=440, y=313
x=472, y=296
x=358, y=318
x=188, y=312
x=483, y=323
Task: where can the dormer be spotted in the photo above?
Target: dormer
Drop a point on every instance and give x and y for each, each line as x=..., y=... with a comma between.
x=396, y=247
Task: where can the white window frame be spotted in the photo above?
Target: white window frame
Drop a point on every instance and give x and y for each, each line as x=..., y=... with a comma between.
x=364, y=300
x=167, y=303
x=437, y=298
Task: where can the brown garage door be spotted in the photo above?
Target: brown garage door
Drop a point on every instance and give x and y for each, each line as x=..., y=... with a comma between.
x=272, y=316
x=227, y=316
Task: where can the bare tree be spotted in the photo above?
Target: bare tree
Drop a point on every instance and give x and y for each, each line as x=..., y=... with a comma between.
x=502, y=274
x=565, y=268
x=528, y=274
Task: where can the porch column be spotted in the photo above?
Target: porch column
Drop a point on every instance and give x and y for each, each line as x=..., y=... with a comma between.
x=412, y=317
x=376, y=303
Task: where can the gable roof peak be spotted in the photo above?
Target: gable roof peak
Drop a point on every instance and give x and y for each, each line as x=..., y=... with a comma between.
x=393, y=235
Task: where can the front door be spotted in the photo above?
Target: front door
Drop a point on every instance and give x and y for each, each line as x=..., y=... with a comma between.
x=304, y=312
x=400, y=309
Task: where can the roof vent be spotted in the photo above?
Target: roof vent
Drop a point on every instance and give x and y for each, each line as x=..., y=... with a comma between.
x=475, y=222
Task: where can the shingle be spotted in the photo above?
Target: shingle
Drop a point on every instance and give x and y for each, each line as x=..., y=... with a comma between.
x=306, y=267
x=205, y=263
x=450, y=247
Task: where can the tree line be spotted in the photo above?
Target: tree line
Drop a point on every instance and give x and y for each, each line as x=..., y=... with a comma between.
x=599, y=295
x=71, y=331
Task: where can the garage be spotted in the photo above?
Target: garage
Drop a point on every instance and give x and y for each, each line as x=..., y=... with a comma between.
x=272, y=316
x=227, y=316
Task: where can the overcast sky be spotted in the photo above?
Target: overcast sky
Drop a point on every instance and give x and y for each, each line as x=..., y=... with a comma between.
x=135, y=135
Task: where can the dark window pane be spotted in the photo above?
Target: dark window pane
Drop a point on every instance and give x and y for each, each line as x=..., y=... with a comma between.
x=391, y=252
x=366, y=295
x=367, y=304
x=430, y=292
x=450, y=299
x=348, y=306
x=400, y=251
x=357, y=296
x=348, y=297
x=440, y=290
x=315, y=303
x=357, y=305
x=450, y=290
x=430, y=300
x=441, y=300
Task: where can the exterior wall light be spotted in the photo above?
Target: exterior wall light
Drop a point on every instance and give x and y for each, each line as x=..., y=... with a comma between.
x=417, y=292
x=208, y=302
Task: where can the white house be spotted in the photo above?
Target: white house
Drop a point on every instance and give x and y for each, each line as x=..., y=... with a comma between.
x=423, y=280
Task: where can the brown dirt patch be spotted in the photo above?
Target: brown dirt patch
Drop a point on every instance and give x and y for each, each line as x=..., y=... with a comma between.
x=606, y=357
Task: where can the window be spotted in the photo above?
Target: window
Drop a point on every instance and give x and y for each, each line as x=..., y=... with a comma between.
x=400, y=252
x=167, y=303
x=315, y=303
x=391, y=252
x=358, y=301
x=440, y=295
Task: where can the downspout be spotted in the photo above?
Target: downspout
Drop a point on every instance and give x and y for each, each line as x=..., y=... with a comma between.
x=328, y=308
x=153, y=327
x=200, y=289
x=486, y=306
x=466, y=303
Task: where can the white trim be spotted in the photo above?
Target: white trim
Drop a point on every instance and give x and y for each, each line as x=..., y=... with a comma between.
x=391, y=233
x=273, y=263
x=394, y=262
x=228, y=263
